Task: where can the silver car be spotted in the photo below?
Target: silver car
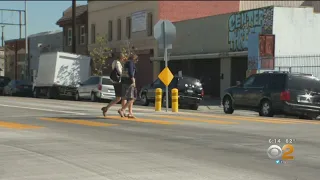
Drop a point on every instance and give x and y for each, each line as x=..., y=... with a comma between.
x=96, y=88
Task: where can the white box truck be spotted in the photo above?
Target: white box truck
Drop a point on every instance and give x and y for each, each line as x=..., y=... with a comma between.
x=59, y=74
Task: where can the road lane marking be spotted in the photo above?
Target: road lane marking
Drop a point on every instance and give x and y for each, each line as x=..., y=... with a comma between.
x=195, y=119
x=41, y=109
x=12, y=125
x=153, y=121
x=78, y=121
x=262, y=119
x=235, y=118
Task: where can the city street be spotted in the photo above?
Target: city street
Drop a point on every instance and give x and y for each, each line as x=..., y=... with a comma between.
x=63, y=140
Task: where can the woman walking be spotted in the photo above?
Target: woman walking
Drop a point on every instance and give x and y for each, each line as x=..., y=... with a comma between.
x=129, y=86
x=115, y=76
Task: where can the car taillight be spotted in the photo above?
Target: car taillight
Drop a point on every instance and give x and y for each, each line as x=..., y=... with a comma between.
x=99, y=87
x=285, y=96
x=202, y=93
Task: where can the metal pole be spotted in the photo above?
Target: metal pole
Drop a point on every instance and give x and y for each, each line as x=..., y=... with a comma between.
x=74, y=6
x=26, y=39
x=165, y=61
x=20, y=24
x=2, y=37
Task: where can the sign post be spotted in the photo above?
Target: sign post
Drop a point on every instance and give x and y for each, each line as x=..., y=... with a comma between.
x=165, y=34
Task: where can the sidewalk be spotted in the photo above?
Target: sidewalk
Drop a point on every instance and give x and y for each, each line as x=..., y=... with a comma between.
x=209, y=103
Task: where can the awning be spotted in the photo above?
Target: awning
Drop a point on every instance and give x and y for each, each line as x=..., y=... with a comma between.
x=203, y=56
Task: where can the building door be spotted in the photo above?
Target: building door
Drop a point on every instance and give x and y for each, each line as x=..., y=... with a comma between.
x=239, y=68
x=208, y=71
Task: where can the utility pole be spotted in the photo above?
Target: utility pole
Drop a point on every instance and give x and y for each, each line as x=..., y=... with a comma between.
x=20, y=22
x=2, y=37
x=74, y=7
x=26, y=39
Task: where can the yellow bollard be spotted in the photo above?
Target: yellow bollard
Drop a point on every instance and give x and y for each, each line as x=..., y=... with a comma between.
x=175, y=97
x=158, y=99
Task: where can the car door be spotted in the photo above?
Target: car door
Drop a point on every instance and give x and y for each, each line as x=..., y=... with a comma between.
x=257, y=90
x=93, y=85
x=82, y=89
x=240, y=92
x=152, y=89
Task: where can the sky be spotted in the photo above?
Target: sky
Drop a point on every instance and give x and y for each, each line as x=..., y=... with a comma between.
x=41, y=16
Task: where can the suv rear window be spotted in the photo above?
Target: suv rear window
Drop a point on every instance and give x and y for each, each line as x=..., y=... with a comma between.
x=106, y=81
x=302, y=83
x=277, y=81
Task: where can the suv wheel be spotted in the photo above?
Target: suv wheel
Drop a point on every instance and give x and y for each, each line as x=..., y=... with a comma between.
x=227, y=105
x=194, y=106
x=266, y=109
x=93, y=97
x=144, y=100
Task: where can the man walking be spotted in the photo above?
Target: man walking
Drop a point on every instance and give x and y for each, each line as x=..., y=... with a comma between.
x=115, y=76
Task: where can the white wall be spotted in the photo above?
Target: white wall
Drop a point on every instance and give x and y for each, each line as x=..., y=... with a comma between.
x=297, y=31
x=297, y=34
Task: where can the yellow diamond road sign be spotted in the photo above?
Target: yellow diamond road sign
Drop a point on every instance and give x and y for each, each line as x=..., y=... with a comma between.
x=166, y=76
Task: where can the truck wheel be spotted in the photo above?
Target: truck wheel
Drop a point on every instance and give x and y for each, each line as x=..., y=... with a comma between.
x=35, y=92
x=77, y=96
x=49, y=93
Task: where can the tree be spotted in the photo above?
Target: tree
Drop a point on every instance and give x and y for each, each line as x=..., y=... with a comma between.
x=126, y=50
x=100, y=55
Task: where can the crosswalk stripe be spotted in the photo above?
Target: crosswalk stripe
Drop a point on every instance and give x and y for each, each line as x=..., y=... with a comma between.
x=79, y=122
x=195, y=119
x=12, y=125
x=234, y=118
x=139, y=120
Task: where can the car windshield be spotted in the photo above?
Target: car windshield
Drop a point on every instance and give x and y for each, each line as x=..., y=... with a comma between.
x=309, y=83
x=106, y=81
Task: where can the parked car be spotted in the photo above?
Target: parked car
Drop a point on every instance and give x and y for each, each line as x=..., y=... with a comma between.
x=3, y=82
x=18, y=87
x=189, y=88
x=96, y=88
x=274, y=93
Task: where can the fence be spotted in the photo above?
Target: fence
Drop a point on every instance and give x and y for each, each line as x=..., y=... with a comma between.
x=307, y=64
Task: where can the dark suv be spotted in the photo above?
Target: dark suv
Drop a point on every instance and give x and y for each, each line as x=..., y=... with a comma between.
x=272, y=93
x=190, y=91
x=3, y=82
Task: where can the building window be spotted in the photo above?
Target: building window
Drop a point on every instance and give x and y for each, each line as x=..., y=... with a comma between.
x=82, y=34
x=110, y=31
x=119, y=30
x=150, y=24
x=69, y=37
x=93, y=33
x=128, y=27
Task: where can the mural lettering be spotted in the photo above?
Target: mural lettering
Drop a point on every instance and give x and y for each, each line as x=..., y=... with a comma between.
x=242, y=24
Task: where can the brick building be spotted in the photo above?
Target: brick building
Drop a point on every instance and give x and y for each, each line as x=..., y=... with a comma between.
x=16, y=63
x=65, y=22
x=133, y=21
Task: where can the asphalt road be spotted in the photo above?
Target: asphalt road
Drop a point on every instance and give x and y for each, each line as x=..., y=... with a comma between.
x=64, y=140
